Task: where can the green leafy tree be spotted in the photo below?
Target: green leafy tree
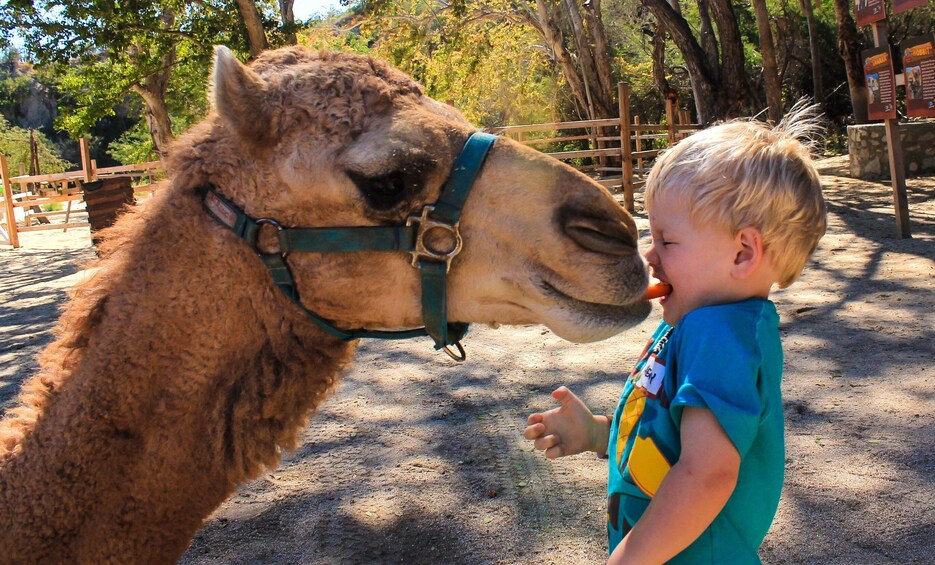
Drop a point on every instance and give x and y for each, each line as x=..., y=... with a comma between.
x=104, y=50
x=489, y=68
x=15, y=143
x=568, y=35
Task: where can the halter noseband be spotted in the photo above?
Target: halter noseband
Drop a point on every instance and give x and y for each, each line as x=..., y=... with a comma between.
x=432, y=264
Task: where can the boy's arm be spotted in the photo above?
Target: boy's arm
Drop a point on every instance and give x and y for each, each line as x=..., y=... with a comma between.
x=568, y=429
x=691, y=495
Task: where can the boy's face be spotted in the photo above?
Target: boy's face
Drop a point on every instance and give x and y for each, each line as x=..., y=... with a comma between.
x=696, y=260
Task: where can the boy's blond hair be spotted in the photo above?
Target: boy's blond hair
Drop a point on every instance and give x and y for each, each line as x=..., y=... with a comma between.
x=744, y=173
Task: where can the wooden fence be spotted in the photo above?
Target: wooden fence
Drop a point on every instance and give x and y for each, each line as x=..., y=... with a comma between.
x=37, y=190
x=620, y=148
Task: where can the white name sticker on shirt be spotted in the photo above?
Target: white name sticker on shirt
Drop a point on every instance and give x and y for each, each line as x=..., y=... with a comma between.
x=652, y=375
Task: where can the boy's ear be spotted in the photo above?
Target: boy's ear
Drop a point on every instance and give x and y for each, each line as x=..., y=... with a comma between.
x=749, y=245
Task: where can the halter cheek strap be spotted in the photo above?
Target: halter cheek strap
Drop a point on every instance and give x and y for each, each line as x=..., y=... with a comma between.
x=433, y=264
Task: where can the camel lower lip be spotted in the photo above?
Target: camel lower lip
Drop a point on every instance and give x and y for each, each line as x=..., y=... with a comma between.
x=609, y=313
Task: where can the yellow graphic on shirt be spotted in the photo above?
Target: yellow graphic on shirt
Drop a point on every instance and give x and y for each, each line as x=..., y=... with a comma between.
x=647, y=465
x=632, y=411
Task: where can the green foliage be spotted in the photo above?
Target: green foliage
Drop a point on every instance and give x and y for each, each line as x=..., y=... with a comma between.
x=13, y=87
x=14, y=143
x=134, y=146
x=484, y=66
x=101, y=51
x=482, y=56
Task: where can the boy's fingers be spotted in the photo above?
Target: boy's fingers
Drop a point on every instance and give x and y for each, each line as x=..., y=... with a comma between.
x=560, y=393
x=547, y=442
x=563, y=395
x=553, y=452
x=534, y=431
x=534, y=418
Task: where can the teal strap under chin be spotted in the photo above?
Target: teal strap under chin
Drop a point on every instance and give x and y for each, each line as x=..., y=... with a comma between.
x=409, y=238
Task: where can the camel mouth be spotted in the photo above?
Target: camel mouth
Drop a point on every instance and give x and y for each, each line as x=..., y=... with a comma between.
x=598, y=314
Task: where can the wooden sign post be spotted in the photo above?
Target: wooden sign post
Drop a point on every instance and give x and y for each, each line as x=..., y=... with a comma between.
x=881, y=93
x=895, y=148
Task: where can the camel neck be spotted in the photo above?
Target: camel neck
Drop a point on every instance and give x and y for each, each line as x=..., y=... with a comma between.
x=159, y=395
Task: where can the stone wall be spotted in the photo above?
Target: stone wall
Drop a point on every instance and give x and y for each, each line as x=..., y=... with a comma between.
x=869, y=156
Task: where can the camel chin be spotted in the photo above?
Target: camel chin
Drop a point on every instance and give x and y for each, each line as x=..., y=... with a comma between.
x=585, y=322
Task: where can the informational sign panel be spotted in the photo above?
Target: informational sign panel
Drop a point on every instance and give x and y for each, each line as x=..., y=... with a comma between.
x=903, y=5
x=919, y=70
x=881, y=86
x=869, y=11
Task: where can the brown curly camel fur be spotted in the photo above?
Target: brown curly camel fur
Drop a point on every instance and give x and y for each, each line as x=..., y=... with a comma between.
x=180, y=371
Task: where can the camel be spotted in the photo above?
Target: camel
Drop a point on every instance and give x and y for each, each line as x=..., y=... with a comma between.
x=181, y=368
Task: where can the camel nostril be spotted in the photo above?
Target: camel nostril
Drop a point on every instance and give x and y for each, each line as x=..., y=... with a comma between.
x=609, y=236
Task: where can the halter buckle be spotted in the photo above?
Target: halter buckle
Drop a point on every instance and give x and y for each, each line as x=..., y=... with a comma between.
x=426, y=225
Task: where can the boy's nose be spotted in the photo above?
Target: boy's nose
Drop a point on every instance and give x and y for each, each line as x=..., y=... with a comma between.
x=650, y=254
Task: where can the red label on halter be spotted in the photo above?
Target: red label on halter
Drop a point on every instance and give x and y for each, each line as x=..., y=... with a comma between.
x=221, y=210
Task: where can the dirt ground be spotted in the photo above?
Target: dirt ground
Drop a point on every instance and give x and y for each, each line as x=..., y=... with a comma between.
x=419, y=460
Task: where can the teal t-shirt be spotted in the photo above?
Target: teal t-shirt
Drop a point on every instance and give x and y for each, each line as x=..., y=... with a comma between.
x=728, y=359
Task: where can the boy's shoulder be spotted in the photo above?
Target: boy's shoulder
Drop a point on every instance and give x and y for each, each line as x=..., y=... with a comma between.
x=749, y=311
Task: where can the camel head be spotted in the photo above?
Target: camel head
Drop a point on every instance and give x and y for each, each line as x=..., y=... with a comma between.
x=325, y=140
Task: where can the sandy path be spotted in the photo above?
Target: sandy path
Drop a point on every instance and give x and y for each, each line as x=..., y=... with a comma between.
x=418, y=460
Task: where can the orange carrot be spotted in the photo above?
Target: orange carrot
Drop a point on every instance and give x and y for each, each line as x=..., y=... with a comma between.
x=657, y=289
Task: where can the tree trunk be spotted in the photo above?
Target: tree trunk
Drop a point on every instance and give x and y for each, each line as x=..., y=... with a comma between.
x=595, y=24
x=707, y=38
x=770, y=70
x=153, y=91
x=256, y=36
x=288, y=21
x=706, y=88
x=849, y=45
x=555, y=41
x=596, y=78
x=659, y=61
x=817, y=87
x=734, y=88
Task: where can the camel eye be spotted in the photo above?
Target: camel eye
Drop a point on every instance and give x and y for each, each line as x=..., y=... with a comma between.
x=384, y=192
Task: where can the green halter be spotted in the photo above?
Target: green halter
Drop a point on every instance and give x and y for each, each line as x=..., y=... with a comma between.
x=434, y=265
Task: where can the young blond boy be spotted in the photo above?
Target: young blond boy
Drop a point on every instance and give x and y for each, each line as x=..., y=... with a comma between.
x=696, y=442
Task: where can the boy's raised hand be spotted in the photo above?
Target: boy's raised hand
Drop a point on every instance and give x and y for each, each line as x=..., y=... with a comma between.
x=569, y=429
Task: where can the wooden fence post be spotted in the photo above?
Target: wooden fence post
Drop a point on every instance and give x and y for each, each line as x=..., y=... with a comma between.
x=670, y=119
x=8, y=200
x=639, y=143
x=623, y=100
x=86, y=167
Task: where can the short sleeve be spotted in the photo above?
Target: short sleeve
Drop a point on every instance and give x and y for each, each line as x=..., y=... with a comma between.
x=717, y=362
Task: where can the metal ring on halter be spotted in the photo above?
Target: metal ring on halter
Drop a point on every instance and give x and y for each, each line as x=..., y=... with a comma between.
x=462, y=357
x=278, y=227
x=427, y=224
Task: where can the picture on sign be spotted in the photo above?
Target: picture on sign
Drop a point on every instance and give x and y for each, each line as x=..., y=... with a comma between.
x=919, y=70
x=869, y=11
x=881, y=86
x=903, y=5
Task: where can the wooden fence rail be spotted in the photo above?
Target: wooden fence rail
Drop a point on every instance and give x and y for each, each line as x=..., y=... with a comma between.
x=615, y=154
x=69, y=190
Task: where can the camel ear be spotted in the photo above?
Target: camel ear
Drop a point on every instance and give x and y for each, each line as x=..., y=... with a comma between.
x=240, y=98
